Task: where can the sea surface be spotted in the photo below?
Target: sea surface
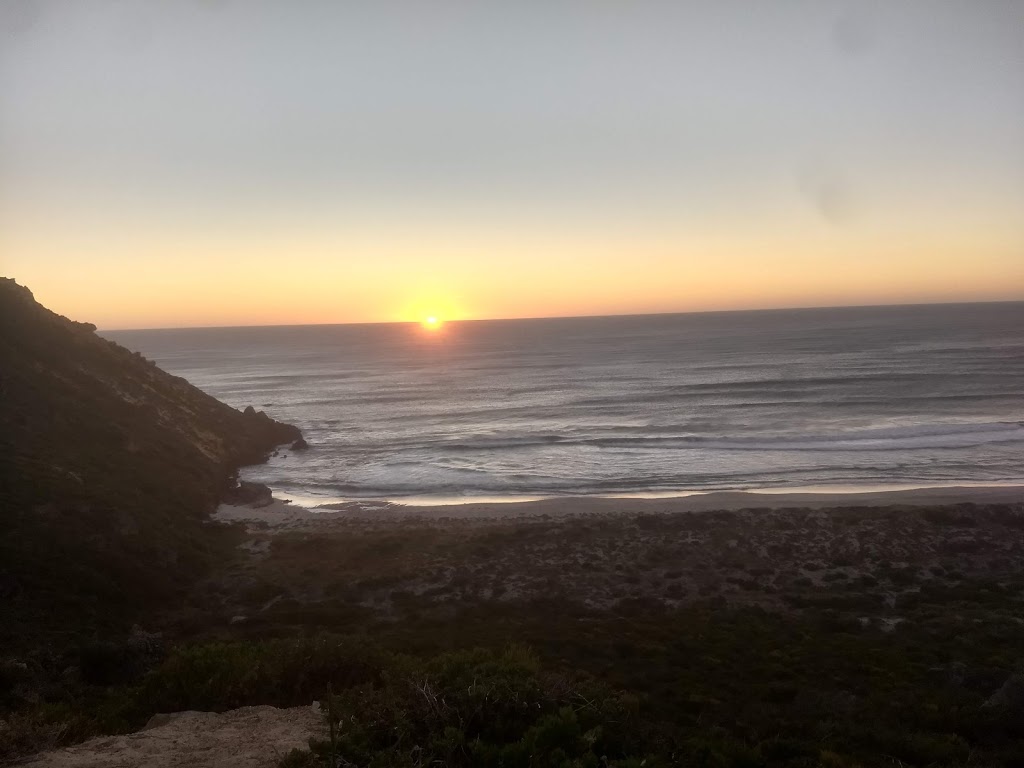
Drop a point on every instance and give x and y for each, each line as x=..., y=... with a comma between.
x=639, y=405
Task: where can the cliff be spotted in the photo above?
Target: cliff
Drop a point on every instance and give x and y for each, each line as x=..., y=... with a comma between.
x=109, y=467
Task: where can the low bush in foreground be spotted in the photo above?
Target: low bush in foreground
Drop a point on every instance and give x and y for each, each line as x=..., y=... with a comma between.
x=478, y=708
x=703, y=686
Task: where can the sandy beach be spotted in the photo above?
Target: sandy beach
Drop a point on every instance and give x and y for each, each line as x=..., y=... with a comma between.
x=764, y=549
x=280, y=514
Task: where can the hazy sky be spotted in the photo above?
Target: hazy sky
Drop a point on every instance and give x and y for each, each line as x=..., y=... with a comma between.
x=187, y=162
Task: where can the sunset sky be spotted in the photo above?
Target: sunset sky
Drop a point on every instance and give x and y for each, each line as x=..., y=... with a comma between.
x=218, y=162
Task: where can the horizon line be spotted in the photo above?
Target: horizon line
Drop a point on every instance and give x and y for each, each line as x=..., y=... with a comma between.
x=568, y=317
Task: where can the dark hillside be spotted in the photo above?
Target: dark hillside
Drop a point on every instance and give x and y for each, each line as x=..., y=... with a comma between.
x=108, y=467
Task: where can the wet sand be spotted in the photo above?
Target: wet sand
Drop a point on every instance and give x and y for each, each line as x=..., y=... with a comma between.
x=280, y=514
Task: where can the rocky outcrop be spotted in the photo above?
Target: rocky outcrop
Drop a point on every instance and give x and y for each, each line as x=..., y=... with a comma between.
x=110, y=468
x=249, y=494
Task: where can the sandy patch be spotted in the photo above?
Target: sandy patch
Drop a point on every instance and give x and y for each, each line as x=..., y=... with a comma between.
x=251, y=737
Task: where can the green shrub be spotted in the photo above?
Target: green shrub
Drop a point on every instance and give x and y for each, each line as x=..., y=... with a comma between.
x=221, y=676
x=46, y=727
x=478, y=708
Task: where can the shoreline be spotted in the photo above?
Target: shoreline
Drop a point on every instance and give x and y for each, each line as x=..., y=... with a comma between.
x=328, y=503
x=281, y=513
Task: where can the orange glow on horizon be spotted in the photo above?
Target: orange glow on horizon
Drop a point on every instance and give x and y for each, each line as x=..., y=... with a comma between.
x=471, y=274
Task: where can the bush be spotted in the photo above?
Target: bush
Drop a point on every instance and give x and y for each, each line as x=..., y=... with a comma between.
x=47, y=727
x=477, y=708
x=221, y=676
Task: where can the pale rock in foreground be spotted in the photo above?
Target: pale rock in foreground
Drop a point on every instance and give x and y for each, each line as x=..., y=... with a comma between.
x=250, y=737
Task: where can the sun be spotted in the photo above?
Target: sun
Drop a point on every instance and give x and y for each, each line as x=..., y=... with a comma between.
x=432, y=322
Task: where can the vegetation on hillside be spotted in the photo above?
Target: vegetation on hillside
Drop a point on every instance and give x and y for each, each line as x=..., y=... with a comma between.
x=109, y=468
x=702, y=685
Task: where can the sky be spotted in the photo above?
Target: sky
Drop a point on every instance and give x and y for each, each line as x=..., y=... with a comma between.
x=170, y=163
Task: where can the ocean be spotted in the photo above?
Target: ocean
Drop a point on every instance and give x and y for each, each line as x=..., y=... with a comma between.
x=847, y=398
